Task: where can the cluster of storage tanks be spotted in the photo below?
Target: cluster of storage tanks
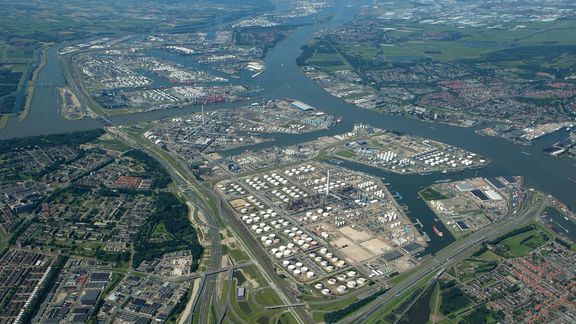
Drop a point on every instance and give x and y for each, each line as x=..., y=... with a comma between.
x=339, y=222
x=326, y=260
x=380, y=193
x=312, y=216
x=395, y=224
x=436, y=158
x=303, y=169
x=284, y=250
x=388, y=217
x=270, y=239
x=320, y=185
x=286, y=193
x=387, y=156
x=231, y=188
x=301, y=239
x=275, y=179
x=256, y=183
x=259, y=218
x=298, y=270
x=342, y=282
x=253, y=202
x=366, y=184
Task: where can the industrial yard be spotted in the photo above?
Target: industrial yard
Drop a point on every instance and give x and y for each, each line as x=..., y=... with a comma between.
x=401, y=153
x=469, y=205
x=328, y=228
x=221, y=130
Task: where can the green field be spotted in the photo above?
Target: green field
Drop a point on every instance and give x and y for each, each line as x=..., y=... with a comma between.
x=345, y=154
x=431, y=194
x=517, y=52
x=521, y=244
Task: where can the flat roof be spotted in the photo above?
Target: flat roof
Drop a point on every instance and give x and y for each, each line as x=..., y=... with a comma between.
x=464, y=186
x=478, y=193
x=495, y=183
x=392, y=255
x=302, y=106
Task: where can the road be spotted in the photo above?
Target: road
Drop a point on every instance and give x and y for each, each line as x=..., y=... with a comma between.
x=533, y=204
x=190, y=188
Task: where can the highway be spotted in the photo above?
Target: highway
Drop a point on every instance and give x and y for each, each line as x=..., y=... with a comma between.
x=191, y=190
x=533, y=204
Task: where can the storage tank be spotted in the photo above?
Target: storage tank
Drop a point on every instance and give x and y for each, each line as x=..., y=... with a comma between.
x=331, y=281
x=341, y=289
x=318, y=286
x=351, y=284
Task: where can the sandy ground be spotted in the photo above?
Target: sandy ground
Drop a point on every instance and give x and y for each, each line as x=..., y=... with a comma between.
x=376, y=246
x=188, y=309
x=70, y=106
x=352, y=251
x=354, y=234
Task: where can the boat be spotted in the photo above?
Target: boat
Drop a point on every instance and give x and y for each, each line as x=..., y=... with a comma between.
x=257, y=74
x=339, y=120
x=437, y=231
x=335, y=161
x=443, y=181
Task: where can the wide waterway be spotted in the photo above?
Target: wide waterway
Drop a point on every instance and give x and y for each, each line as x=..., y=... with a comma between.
x=283, y=79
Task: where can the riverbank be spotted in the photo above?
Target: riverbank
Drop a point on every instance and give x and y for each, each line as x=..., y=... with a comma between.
x=32, y=85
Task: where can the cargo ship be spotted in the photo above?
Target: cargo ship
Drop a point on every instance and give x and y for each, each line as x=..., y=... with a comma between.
x=440, y=234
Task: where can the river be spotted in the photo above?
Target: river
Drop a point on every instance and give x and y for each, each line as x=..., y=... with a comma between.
x=283, y=79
